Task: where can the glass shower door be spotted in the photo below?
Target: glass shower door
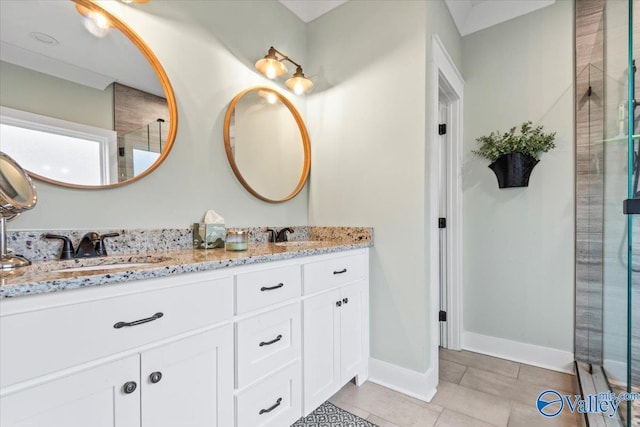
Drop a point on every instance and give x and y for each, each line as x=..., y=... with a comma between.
x=621, y=225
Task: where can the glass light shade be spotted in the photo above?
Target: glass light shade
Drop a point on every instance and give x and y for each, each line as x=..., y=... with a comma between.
x=271, y=67
x=299, y=84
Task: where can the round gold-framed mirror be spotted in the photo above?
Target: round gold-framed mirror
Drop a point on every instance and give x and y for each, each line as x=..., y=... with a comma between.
x=95, y=110
x=267, y=144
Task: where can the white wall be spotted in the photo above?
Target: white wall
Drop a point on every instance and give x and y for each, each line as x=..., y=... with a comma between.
x=34, y=92
x=208, y=49
x=519, y=243
x=367, y=117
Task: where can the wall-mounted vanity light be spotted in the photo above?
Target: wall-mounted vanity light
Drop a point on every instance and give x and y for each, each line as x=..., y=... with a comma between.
x=273, y=66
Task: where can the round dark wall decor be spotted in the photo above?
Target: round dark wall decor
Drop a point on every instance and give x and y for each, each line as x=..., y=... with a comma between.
x=513, y=169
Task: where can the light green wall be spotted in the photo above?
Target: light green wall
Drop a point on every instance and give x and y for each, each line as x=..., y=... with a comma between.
x=519, y=243
x=28, y=90
x=208, y=49
x=367, y=118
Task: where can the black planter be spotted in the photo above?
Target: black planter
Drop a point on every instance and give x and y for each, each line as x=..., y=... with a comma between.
x=513, y=169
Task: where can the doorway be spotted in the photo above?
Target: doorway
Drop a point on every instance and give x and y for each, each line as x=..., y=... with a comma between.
x=445, y=213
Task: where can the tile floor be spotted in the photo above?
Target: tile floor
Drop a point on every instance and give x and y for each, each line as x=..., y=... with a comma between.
x=475, y=391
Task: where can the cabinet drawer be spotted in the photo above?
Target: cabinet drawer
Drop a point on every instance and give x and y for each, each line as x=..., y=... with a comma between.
x=45, y=341
x=265, y=287
x=274, y=402
x=267, y=342
x=327, y=274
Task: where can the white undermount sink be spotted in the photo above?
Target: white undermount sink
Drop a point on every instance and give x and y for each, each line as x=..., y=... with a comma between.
x=299, y=243
x=101, y=267
x=109, y=263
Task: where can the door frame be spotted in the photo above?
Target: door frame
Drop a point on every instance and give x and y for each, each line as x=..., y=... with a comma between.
x=446, y=77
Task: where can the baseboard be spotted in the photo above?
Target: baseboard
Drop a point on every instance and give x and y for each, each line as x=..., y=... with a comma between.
x=544, y=357
x=615, y=370
x=412, y=383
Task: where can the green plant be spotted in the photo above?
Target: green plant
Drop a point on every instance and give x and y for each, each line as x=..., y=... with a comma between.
x=531, y=140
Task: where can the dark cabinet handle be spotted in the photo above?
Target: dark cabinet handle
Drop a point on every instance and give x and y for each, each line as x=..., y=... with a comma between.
x=275, y=340
x=344, y=270
x=138, y=322
x=155, y=377
x=265, y=288
x=339, y=303
x=129, y=387
x=345, y=300
x=274, y=406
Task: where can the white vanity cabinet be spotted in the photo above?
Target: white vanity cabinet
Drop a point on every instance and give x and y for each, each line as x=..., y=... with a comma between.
x=335, y=326
x=268, y=345
x=103, y=356
x=93, y=397
x=249, y=346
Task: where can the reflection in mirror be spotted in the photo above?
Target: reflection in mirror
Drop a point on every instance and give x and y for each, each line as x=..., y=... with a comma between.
x=17, y=194
x=267, y=144
x=77, y=109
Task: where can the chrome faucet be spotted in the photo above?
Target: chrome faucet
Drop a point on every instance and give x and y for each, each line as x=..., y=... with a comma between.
x=91, y=245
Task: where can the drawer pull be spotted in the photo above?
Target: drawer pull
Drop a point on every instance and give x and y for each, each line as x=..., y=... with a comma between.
x=339, y=303
x=345, y=300
x=274, y=406
x=138, y=322
x=344, y=270
x=129, y=387
x=275, y=340
x=155, y=377
x=270, y=288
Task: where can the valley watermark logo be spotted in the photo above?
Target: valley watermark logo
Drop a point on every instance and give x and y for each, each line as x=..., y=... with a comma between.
x=551, y=403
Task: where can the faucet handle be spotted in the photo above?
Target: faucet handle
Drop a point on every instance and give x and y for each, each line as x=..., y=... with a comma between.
x=272, y=234
x=67, y=246
x=101, y=250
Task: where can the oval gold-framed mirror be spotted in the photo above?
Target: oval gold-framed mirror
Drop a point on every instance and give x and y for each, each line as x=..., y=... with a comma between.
x=81, y=117
x=267, y=144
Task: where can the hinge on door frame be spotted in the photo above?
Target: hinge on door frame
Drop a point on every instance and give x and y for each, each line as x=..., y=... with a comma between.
x=442, y=129
x=442, y=222
x=442, y=316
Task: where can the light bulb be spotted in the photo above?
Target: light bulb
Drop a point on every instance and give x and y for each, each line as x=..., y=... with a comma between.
x=271, y=98
x=271, y=71
x=298, y=89
x=97, y=24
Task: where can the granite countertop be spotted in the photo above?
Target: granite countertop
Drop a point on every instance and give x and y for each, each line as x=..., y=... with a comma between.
x=50, y=276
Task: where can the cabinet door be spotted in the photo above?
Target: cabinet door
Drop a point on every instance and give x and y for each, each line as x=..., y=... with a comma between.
x=321, y=354
x=189, y=383
x=95, y=397
x=351, y=331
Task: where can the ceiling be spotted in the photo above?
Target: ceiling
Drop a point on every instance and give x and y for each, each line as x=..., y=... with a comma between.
x=475, y=15
x=469, y=15
x=49, y=37
x=308, y=10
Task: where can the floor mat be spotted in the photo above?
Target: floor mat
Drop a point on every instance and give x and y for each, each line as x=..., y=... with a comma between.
x=329, y=415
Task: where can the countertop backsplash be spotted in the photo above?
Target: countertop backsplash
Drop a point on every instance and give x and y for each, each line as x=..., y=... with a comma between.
x=35, y=247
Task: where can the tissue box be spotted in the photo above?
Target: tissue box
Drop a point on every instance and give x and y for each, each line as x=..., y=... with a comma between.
x=208, y=236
